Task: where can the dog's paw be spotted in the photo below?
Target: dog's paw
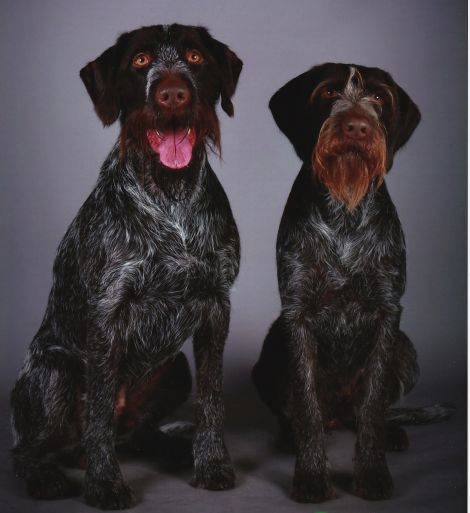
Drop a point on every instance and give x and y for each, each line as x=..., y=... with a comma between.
x=50, y=484
x=109, y=494
x=215, y=476
x=374, y=482
x=312, y=488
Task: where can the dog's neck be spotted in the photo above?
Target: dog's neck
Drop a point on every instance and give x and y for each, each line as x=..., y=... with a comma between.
x=334, y=211
x=168, y=184
x=165, y=186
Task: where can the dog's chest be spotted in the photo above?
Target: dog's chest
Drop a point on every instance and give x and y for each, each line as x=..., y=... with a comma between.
x=175, y=276
x=186, y=254
x=341, y=251
x=347, y=249
x=352, y=265
x=356, y=272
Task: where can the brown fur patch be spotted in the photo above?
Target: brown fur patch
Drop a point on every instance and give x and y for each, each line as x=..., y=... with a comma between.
x=347, y=168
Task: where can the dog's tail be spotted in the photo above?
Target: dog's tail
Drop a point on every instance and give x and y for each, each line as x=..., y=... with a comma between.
x=178, y=428
x=409, y=416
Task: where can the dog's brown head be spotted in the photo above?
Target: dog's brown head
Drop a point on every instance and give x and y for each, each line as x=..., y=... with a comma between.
x=163, y=83
x=347, y=121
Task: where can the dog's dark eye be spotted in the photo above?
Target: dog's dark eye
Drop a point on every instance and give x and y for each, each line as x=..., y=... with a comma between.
x=194, y=57
x=327, y=93
x=378, y=98
x=141, y=60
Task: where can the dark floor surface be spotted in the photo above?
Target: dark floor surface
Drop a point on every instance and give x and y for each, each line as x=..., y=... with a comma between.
x=429, y=477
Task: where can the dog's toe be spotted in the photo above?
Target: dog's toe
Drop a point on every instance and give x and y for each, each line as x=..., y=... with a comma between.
x=50, y=483
x=109, y=495
x=312, y=488
x=218, y=476
x=374, y=483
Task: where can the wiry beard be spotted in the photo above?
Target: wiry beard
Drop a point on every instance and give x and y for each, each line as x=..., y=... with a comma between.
x=134, y=129
x=348, y=170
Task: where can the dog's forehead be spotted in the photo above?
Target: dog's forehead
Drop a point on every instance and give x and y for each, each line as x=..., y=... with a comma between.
x=360, y=79
x=330, y=72
x=365, y=77
x=157, y=37
x=354, y=87
x=353, y=75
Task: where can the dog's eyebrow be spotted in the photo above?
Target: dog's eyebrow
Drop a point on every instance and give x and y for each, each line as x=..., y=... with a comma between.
x=382, y=86
x=321, y=85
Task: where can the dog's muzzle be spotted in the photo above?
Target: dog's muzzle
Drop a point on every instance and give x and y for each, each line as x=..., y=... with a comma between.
x=175, y=142
x=349, y=155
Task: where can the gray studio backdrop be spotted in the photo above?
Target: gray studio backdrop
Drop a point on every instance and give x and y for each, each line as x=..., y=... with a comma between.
x=52, y=146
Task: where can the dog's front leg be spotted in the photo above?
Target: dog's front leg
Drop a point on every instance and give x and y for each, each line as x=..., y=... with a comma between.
x=212, y=467
x=311, y=479
x=104, y=485
x=372, y=477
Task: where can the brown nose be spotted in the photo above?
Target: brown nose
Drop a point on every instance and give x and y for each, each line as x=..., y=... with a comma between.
x=172, y=93
x=356, y=127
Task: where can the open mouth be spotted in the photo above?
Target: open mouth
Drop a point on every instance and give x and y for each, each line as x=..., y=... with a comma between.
x=174, y=146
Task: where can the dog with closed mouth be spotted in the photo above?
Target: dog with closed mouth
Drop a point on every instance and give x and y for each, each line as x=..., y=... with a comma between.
x=336, y=354
x=147, y=263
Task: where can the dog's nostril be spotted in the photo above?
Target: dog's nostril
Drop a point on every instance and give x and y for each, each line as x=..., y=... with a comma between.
x=182, y=96
x=356, y=128
x=172, y=97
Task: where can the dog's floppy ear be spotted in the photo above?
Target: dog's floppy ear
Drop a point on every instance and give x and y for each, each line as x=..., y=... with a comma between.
x=291, y=110
x=230, y=68
x=99, y=77
x=408, y=118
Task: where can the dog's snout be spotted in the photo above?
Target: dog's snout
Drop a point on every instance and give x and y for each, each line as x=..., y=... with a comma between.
x=172, y=93
x=356, y=127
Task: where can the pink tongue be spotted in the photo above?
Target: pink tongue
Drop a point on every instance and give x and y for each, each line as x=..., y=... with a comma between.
x=175, y=147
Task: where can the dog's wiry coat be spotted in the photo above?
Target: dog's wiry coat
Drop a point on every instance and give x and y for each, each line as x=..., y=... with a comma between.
x=147, y=263
x=336, y=354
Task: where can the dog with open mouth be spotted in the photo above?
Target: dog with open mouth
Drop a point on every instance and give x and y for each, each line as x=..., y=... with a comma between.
x=147, y=263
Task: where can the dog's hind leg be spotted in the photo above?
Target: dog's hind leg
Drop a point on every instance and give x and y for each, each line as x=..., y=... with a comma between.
x=404, y=375
x=41, y=403
x=271, y=379
x=405, y=369
x=172, y=390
